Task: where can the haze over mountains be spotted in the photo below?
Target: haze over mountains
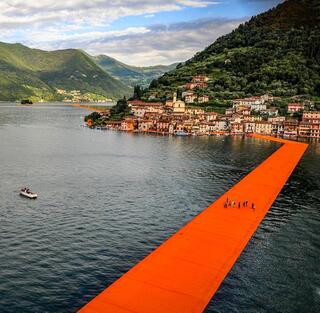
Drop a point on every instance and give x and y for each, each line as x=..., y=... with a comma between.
x=55, y=75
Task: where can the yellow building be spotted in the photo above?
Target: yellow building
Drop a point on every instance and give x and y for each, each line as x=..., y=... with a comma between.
x=178, y=106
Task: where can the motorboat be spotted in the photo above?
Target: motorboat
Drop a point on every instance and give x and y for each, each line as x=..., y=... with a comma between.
x=181, y=133
x=25, y=192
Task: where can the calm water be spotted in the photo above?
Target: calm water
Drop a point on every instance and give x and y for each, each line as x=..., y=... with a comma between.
x=107, y=199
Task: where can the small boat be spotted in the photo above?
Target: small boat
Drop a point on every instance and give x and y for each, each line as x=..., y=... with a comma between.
x=25, y=192
x=26, y=102
x=181, y=133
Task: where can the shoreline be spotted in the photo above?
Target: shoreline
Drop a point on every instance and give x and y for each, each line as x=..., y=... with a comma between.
x=213, y=134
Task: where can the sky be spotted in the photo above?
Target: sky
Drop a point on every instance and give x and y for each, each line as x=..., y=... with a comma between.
x=136, y=32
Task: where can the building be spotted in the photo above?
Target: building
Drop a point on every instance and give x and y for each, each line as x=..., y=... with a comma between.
x=203, y=99
x=290, y=127
x=190, y=97
x=252, y=118
x=127, y=125
x=190, y=86
x=309, y=130
x=277, y=119
x=263, y=127
x=295, y=107
x=277, y=128
x=139, y=108
x=200, y=79
x=255, y=103
x=178, y=106
x=145, y=125
x=230, y=111
x=249, y=127
x=311, y=117
x=194, y=111
x=211, y=116
x=236, y=128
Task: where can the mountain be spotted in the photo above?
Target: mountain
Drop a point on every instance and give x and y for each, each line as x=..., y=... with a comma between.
x=131, y=75
x=37, y=74
x=275, y=52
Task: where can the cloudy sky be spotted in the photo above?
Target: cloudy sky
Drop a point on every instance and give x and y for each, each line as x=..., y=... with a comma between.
x=137, y=32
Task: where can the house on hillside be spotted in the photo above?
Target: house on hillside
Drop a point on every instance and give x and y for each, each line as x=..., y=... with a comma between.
x=295, y=107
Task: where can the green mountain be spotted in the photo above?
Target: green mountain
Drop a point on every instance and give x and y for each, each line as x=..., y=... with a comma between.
x=131, y=75
x=276, y=52
x=37, y=74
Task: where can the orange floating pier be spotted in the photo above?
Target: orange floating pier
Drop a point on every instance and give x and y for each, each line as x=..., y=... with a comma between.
x=183, y=274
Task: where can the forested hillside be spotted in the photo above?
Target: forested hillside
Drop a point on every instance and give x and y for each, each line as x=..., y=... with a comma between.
x=37, y=74
x=131, y=75
x=276, y=52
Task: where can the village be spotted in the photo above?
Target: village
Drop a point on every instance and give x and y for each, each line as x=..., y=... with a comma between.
x=248, y=115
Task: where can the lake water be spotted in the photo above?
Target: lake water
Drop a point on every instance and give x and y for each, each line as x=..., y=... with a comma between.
x=107, y=199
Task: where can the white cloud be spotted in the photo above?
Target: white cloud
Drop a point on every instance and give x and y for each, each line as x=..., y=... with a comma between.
x=159, y=44
x=18, y=13
x=82, y=24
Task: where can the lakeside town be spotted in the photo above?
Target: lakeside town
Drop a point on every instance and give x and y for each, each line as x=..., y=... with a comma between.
x=179, y=116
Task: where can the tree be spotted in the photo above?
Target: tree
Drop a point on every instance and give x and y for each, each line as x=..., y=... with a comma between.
x=137, y=93
x=120, y=110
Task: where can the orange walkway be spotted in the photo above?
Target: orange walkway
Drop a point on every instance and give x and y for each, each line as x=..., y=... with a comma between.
x=183, y=274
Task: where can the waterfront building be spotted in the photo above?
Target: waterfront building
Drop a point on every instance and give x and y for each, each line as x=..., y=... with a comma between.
x=249, y=127
x=222, y=124
x=263, y=127
x=145, y=125
x=290, y=127
x=128, y=125
x=309, y=130
x=203, y=128
x=315, y=130
x=237, y=128
x=277, y=128
x=116, y=125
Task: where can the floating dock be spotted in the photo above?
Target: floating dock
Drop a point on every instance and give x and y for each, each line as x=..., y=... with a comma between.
x=183, y=273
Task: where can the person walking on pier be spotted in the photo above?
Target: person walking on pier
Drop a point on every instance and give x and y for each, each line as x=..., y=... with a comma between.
x=239, y=205
x=253, y=206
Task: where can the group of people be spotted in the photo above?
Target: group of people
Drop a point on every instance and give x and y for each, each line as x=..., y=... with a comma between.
x=25, y=189
x=239, y=204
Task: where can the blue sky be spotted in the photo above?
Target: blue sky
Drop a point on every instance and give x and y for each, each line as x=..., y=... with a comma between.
x=137, y=32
